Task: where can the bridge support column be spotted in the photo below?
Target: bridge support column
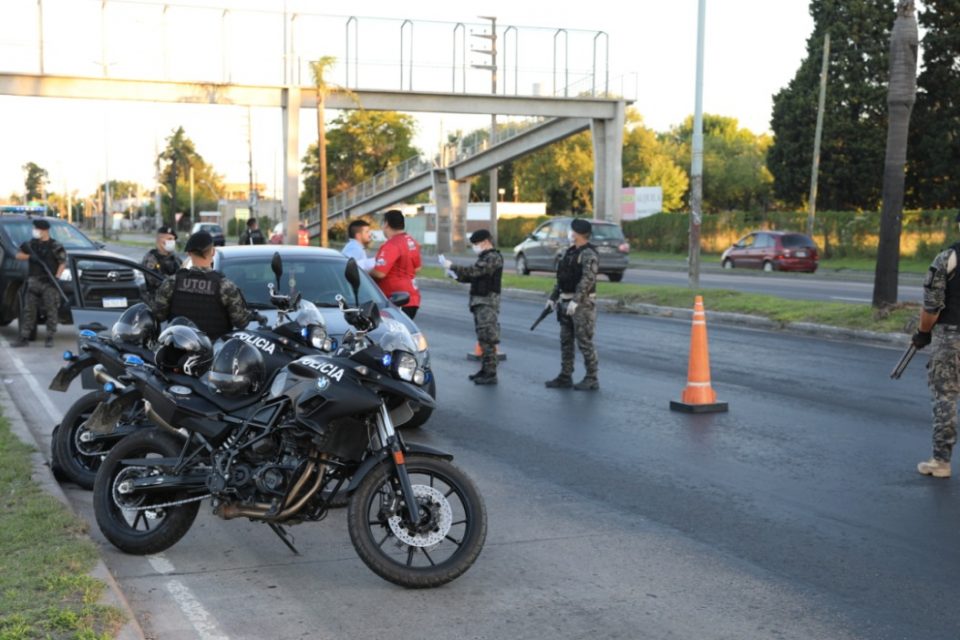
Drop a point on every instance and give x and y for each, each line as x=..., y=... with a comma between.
x=608, y=165
x=452, y=197
x=290, y=109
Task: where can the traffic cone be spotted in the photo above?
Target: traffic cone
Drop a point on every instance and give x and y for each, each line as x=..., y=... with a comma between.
x=478, y=353
x=698, y=396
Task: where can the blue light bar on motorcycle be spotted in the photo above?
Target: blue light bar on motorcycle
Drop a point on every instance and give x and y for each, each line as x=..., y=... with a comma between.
x=109, y=387
x=87, y=333
x=334, y=345
x=386, y=360
x=133, y=360
x=68, y=355
x=305, y=333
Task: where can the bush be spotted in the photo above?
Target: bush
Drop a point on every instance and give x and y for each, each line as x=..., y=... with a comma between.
x=513, y=231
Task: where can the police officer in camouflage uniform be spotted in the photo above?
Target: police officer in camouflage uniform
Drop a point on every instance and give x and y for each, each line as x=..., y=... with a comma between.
x=47, y=259
x=575, y=300
x=163, y=257
x=203, y=295
x=484, y=277
x=940, y=324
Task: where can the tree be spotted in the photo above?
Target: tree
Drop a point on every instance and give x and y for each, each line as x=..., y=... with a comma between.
x=735, y=175
x=854, y=118
x=900, y=98
x=933, y=178
x=647, y=162
x=561, y=174
x=179, y=157
x=33, y=184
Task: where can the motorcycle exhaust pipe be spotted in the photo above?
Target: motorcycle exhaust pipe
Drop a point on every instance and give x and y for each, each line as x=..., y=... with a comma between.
x=261, y=510
x=100, y=375
x=160, y=422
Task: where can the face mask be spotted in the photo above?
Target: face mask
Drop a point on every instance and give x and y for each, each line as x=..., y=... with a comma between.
x=477, y=249
x=169, y=245
x=36, y=234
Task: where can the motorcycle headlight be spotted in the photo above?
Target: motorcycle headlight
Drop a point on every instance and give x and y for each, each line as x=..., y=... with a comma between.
x=421, y=341
x=316, y=337
x=404, y=365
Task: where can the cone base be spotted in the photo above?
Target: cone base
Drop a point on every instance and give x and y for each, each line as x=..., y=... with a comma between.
x=712, y=407
x=472, y=356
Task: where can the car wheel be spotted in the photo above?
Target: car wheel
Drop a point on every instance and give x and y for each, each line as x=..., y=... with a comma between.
x=728, y=264
x=615, y=276
x=522, y=269
x=768, y=266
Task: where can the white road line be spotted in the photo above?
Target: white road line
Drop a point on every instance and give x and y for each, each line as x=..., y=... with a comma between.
x=850, y=299
x=38, y=391
x=200, y=618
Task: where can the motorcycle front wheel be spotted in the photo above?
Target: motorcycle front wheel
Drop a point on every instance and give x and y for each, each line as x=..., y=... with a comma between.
x=429, y=553
x=139, y=522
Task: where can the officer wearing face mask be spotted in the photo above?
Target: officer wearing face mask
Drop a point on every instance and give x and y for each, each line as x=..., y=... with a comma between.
x=574, y=298
x=484, y=277
x=163, y=258
x=211, y=301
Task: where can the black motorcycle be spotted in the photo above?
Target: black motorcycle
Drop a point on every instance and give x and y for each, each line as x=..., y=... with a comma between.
x=324, y=426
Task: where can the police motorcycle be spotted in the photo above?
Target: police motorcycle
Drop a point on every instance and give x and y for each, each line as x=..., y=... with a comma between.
x=278, y=449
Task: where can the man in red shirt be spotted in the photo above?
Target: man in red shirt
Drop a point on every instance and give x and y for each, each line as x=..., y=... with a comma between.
x=398, y=261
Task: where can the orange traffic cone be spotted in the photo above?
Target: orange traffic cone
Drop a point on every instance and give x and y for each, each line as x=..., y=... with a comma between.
x=478, y=353
x=698, y=396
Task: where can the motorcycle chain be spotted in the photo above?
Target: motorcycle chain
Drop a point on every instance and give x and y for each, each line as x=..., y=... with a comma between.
x=175, y=503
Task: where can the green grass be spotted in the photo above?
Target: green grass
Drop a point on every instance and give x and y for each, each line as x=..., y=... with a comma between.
x=867, y=265
x=45, y=559
x=837, y=314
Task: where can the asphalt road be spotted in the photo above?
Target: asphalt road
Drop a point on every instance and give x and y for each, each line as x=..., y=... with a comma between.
x=798, y=514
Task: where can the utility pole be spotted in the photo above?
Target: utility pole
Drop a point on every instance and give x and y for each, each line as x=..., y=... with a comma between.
x=696, y=170
x=815, y=170
x=192, y=216
x=250, y=193
x=492, y=52
x=158, y=199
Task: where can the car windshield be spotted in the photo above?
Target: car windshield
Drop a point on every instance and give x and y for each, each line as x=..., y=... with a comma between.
x=214, y=228
x=796, y=241
x=66, y=234
x=318, y=280
x=606, y=232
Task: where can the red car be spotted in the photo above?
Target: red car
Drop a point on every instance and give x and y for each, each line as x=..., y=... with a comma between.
x=773, y=251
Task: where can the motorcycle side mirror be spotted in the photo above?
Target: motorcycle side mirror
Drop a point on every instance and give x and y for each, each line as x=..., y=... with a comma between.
x=352, y=273
x=276, y=265
x=399, y=298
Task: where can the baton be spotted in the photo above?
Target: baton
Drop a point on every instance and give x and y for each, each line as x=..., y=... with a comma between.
x=904, y=361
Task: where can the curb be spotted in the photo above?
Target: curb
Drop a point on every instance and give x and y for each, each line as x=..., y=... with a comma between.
x=722, y=317
x=113, y=595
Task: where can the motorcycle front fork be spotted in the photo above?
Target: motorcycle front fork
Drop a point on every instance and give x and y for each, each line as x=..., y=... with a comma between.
x=388, y=435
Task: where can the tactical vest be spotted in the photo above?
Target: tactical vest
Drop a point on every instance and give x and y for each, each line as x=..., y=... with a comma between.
x=490, y=283
x=168, y=263
x=951, y=312
x=46, y=252
x=196, y=295
x=570, y=270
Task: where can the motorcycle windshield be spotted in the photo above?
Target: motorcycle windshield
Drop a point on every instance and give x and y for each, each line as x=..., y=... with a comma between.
x=397, y=337
x=308, y=315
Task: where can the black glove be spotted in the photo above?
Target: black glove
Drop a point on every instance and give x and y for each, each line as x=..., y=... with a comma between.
x=921, y=339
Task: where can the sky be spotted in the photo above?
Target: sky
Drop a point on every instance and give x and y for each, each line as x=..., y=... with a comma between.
x=752, y=50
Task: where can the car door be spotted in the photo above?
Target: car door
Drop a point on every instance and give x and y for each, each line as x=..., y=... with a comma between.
x=105, y=286
x=742, y=254
x=556, y=243
x=534, y=249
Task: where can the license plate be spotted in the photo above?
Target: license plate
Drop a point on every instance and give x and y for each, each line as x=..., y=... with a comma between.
x=606, y=249
x=801, y=254
x=114, y=303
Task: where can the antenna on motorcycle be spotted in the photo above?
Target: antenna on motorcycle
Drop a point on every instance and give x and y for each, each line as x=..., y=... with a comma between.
x=352, y=274
x=276, y=265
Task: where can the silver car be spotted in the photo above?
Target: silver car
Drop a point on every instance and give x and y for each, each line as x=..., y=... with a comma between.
x=542, y=249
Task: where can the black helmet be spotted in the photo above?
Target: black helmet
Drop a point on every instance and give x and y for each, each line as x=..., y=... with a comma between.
x=184, y=350
x=137, y=325
x=183, y=321
x=238, y=369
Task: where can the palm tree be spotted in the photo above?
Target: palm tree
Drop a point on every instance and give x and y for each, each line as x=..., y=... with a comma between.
x=179, y=153
x=901, y=95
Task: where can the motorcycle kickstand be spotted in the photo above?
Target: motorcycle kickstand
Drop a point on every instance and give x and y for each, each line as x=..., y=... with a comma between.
x=283, y=535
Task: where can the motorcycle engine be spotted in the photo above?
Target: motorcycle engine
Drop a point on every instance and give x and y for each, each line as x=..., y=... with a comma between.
x=258, y=468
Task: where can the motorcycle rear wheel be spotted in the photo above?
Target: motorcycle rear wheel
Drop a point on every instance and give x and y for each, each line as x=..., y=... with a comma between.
x=140, y=532
x=77, y=464
x=452, y=531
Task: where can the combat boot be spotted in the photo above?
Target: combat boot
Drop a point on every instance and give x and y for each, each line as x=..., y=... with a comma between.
x=589, y=383
x=474, y=376
x=49, y=341
x=935, y=468
x=486, y=377
x=21, y=342
x=560, y=382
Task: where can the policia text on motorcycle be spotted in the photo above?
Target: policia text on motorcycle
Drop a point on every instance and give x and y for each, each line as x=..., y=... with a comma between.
x=47, y=259
x=940, y=324
x=203, y=295
x=484, y=277
x=163, y=257
x=574, y=298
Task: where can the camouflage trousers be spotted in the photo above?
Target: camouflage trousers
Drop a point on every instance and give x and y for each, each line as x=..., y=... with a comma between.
x=487, y=324
x=40, y=291
x=944, y=380
x=579, y=328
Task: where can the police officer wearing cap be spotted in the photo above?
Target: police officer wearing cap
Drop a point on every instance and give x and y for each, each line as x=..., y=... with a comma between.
x=211, y=301
x=484, y=277
x=252, y=234
x=574, y=298
x=940, y=324
x=163, y=258
x=47, y=259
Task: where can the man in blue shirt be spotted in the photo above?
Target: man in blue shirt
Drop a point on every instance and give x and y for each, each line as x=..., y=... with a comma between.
x=359, y=234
